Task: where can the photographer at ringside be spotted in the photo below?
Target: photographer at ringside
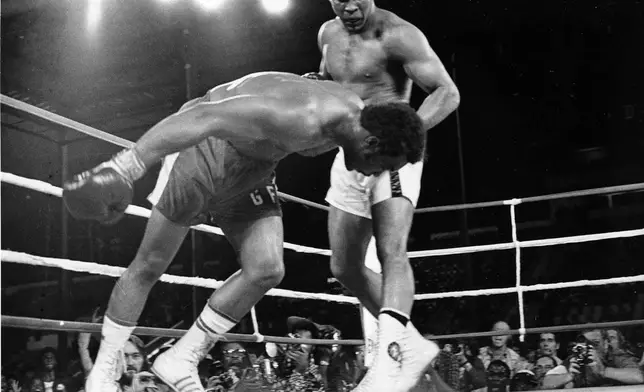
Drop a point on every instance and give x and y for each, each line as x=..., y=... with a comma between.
x=593, y=362
x=293, y=367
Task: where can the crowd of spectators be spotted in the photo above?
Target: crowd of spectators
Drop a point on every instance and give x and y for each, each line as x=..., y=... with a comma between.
x=588, y=358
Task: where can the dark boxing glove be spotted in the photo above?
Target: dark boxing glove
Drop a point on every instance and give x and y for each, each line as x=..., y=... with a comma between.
x=104, y=192
x=315, y=76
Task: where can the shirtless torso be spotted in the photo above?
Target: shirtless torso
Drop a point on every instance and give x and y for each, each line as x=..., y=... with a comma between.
x=366, y=63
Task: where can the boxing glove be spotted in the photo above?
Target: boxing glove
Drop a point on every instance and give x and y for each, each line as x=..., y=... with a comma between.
x=104, y=192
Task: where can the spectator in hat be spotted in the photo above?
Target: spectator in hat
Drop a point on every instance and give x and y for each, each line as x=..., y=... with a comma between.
x=293, y=364
x=500, y=350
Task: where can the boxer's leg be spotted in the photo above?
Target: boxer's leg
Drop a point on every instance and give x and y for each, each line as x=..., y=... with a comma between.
x=253, y=225
x=160, y=243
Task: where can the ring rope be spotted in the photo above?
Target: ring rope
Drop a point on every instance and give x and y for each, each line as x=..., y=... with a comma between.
x=9, y=256
x=576, y=239
x=77, y=326
x=554, y=196
x=108, y=137
x=109, y=270
x=517, y=262
x=45, y=187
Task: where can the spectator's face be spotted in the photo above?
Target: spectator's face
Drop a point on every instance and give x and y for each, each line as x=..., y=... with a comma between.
x=133, y=360
x=596, y=339
x=4, y=384
x=613, y=340
x=49, y=360
x=233, y=355
x=37, y=385
x=548, y=344
x=543, y=366
x=500, y=341
x=304, y=334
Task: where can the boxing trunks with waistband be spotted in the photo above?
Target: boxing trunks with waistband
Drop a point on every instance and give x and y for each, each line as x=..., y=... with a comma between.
x=356, y=193
x=213, y=183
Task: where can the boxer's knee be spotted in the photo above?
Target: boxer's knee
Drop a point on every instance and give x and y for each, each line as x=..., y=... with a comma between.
x=147, y=268
x=266, y=271
x=388, y=254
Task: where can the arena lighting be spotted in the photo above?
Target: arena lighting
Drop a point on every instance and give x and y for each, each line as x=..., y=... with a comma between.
x=209, y=5
x=276, y=6
x=93, y=14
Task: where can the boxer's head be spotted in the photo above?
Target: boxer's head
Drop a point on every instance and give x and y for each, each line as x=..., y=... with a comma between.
x=353, y=13
x=395, y=137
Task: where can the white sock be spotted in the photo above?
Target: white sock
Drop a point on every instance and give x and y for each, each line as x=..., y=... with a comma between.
x=203, y=334
x=213, y=322
x=115, y=335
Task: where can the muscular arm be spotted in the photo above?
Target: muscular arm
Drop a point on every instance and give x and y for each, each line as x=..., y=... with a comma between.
x=423, y=66
x=241, y=118
x=322, y=47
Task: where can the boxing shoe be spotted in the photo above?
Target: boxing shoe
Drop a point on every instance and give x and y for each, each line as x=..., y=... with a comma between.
x=385, y=372
x=107, y=370
x=104, y=192
x=178, y=367
x=416, y=353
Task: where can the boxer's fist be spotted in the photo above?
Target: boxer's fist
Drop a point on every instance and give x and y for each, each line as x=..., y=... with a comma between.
x=103, y=193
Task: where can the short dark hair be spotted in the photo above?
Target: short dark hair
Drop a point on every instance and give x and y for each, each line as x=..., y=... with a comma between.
x=554, y=361
x=398, y=127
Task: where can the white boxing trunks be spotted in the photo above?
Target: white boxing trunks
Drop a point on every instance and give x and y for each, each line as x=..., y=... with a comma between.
x=356, y=193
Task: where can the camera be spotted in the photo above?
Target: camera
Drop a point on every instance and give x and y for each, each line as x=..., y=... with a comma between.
x=581, y=352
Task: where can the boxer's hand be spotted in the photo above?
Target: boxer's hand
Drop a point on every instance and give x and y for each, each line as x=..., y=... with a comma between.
x=103, y=193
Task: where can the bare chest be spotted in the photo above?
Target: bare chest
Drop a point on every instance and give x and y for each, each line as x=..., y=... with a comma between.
x=351, y=57
x=363, y=66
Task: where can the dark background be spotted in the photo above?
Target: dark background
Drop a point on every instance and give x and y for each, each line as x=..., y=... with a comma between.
x=552, y=100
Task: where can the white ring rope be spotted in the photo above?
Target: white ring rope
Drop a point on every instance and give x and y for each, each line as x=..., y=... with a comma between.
x=9, y=256
x=45, y=187
x=517, y=262
x=109, y=270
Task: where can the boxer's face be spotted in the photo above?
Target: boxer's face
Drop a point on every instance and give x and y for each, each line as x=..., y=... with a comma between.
x=353, y=13
x=368, y=161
